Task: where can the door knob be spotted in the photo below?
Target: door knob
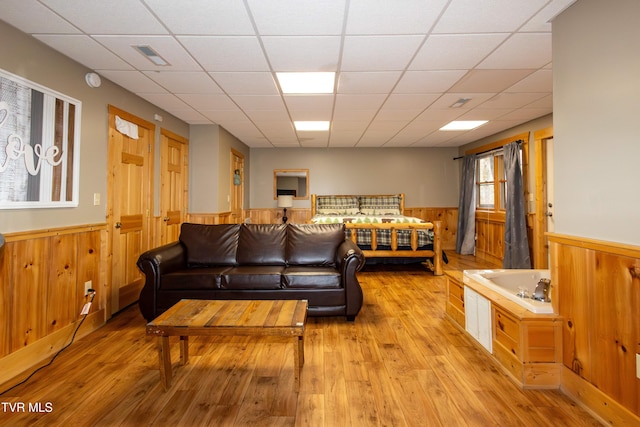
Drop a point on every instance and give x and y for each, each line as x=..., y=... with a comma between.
x=165, y=219
x=118, y=224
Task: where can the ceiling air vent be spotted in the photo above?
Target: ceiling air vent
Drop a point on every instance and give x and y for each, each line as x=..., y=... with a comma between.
x=151, y=55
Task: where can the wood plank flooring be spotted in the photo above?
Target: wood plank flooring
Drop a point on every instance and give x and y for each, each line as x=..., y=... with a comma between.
x=401, y=363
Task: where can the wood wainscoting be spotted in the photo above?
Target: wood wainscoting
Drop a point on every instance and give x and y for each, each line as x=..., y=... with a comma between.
x=210, y=218
x=596, y=289
x=42, y=292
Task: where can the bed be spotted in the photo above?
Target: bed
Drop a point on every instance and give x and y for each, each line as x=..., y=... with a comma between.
x=377, y=224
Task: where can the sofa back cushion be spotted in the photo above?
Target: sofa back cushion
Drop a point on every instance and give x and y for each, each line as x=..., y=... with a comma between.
x=210, y=245
x=313, y=244
x=262, y=244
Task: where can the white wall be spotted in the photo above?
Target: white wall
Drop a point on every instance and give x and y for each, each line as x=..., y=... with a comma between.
x=429, y=177
x=596, y=69
x=204, y=145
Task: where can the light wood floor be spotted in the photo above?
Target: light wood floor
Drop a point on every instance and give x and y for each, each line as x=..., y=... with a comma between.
x=402, y=363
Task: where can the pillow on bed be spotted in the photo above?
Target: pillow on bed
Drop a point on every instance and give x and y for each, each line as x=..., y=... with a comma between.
x=337, y=205
x=383, y=205
x=337, y=211
x=379, y=210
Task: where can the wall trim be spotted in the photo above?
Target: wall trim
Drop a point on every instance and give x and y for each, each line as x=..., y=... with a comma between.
x=622, y=249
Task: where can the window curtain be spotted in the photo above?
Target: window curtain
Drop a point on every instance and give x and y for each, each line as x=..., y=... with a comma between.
x=516, y=244
x=466, y=238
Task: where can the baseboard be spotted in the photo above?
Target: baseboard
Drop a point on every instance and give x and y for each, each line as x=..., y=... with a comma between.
x=598, y=404
x=18, y=365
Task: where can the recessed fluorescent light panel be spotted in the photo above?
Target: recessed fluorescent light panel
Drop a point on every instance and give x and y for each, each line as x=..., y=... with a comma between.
x=463, y=124
x=151, y=55
x=307, y=82
x=309, y=126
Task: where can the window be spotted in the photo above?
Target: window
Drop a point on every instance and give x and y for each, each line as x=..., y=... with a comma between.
x=491, y=182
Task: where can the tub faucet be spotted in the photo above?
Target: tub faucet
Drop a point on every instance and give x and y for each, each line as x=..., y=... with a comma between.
x=542, y=290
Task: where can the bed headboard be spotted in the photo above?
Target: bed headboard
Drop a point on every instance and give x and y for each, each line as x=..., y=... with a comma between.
x=348, y=201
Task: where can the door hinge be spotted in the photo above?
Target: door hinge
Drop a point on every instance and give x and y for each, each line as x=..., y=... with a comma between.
x=149, y=145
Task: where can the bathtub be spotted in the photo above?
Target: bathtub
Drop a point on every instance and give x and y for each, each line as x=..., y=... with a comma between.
x=508, y=283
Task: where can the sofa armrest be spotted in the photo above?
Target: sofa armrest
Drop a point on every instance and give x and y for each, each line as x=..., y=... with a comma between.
x=154, y=263
x=350, y=260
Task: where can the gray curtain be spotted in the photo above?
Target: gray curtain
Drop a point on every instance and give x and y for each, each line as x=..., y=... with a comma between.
x=516, y=244
x=466, y=238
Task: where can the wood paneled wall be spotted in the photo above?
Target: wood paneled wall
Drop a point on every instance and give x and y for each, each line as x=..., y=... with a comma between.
x=596, y=289
x=490, y=236
x=211, y=218
x=42, y=292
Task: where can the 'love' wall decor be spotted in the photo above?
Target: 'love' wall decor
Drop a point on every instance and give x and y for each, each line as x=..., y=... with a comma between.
x=39, y=145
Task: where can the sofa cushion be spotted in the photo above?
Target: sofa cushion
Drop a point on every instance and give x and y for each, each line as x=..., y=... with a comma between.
x=311, y=277
x=313, y=244
x=210, y=245
x=261, y=244
x=194, y=278
x=253, y=277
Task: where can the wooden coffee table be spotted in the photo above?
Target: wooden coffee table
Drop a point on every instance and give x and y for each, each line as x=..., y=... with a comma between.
x=282, y=318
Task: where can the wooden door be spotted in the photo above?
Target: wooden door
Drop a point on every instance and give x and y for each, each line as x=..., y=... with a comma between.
x=237, y=187
x=543, y=140
x=174, y=183
x=130, y=180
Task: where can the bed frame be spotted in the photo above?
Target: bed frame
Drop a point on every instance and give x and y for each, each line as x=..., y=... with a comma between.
x=395, y=252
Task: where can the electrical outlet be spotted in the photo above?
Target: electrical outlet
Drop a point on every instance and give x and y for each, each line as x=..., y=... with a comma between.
x=638, y=365
x=96, y=199
x=87, y=285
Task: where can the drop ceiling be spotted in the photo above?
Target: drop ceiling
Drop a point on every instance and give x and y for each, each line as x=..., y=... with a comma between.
x=399, y=64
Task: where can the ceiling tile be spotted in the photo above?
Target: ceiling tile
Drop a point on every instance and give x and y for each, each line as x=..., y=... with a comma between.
x=511, y=100
x=259, y=102
x=387, y=17
x=521, y=51
x=542, y=20
x=378, y=53
x=473, y=16
x=203, y=17
x=448, y=99
x=302, y=53
x=298, y=17
x=167, y=47
x=428, y=81
x=89, y=53
x=539, y=81
x=217, y=54
x=489, y=80
x=258, y=83
x=225, y=116
x=135, y=81
x=108, y=17
x=185, y=81
x=166, y=101
x=367, y=82
x=455, y=51
x=207, y=101
x=409, y=101
x=30, y=16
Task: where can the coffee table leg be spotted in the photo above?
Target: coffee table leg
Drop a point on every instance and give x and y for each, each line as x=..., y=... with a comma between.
x=165, y=362
x=298, y=359
x=184, y=350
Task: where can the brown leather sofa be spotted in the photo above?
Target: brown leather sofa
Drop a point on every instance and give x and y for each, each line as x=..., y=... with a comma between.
x=255, y=261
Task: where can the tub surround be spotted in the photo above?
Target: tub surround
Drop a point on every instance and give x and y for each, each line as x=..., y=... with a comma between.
x=507, y=282
x=526, y=345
